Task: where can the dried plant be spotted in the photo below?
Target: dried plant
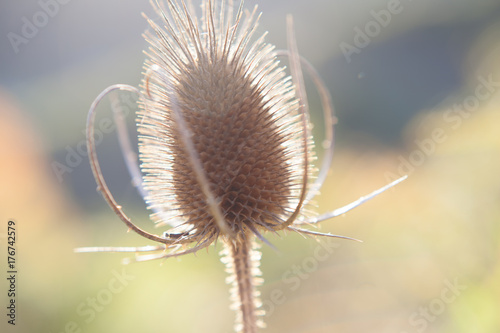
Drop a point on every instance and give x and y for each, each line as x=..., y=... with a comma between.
x=225, y=144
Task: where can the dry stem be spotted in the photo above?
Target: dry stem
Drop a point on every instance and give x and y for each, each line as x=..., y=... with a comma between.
x=242, y=260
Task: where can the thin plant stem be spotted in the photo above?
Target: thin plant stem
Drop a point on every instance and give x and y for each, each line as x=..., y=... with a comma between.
x=242, y=258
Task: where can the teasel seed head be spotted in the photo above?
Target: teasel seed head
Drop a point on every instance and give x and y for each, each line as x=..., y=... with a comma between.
x=241, y=115
x=224, y=143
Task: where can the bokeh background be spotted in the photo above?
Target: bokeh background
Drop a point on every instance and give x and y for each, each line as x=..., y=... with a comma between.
x=430, y=257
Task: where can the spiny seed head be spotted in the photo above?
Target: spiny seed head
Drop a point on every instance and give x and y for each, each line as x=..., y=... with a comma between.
x=242, y=115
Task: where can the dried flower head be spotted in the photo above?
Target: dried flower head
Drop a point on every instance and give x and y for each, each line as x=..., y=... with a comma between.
x=224, y=142
x=242, y=116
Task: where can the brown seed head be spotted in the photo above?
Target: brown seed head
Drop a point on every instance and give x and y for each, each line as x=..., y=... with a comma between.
x=242, y=115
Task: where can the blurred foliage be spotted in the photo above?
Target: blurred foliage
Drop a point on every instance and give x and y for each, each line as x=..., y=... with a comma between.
x=439, y=226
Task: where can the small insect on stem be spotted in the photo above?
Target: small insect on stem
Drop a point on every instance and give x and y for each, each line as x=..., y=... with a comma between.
x=224, y=143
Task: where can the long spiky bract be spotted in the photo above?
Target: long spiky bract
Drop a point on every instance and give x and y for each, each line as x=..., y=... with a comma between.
x=224, y=143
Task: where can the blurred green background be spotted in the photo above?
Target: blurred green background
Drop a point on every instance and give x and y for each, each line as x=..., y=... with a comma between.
x=411, y=98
